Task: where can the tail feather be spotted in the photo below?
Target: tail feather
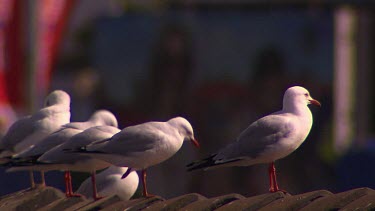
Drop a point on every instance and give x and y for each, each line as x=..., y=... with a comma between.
x=6, y=153
x=209, y=162
x=15, y=163
x=82, y=151
x=75, y=150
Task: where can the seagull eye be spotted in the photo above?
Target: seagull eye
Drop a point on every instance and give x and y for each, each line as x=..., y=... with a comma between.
x=306, y=94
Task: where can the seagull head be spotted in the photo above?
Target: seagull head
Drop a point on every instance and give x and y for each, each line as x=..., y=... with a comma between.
x=185, y=129
x=296, y=96
x=57, y=97
x=104, y=117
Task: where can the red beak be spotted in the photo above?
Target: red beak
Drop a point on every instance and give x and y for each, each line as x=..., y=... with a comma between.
x=315, y=102
x=195, y=142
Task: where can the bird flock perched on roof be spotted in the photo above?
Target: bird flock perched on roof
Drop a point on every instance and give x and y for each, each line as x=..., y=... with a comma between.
x=47, y=141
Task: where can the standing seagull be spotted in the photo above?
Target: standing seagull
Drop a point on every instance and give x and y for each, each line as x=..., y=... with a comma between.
x=141, y=146
x=30, y=130
x=269, y=138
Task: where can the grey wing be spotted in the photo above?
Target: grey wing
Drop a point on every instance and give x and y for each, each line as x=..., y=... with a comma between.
x=18, y=131
x=89, y=136
x=257, y=137
x=130, y=140
x=56, y=155
x=78, y=125
x=107, y=129
x=49, y=142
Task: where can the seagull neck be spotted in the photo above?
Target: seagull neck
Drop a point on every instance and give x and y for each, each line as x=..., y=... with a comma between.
x=177, y=127
x=56, y=109
x=296, y=109
x=96, y=121
x=100, y=121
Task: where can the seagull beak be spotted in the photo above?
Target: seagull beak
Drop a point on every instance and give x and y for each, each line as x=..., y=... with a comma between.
x=195, y=142
x=315, y=102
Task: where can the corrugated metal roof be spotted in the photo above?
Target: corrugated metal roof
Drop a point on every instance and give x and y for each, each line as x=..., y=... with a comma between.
x=52, y=199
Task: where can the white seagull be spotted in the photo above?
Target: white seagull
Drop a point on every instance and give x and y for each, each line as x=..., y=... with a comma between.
x=30, y=130
x=109, y=182
x=59, y=158
x=269, y=138
x=141, y=146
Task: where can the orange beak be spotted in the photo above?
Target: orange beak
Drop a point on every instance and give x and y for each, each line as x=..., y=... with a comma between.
x=196, y=143
x=315, y=102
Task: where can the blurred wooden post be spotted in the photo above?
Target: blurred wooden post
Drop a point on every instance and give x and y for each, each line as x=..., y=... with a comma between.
x=30, y=22
x=345, y=49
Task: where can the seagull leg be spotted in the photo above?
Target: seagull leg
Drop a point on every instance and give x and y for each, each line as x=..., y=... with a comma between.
x=67, y=188
x=270, y=170
x=31, y=173
x=70, y=186
x=94, y=190
x=145, y=193
x=43, y=184
x=274, y=181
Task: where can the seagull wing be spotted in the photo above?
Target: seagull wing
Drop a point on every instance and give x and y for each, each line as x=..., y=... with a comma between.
x=257, y=137
x=18, y=132
x=130, y=140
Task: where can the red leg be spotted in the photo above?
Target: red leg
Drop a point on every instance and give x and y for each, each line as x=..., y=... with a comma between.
x=32, y=182
x=145, y=193
x=70, y=184
x=94, y=190
x=43, y=183
x=270, y=174
x=67, y=189
x=274, y=181
x=144, y=183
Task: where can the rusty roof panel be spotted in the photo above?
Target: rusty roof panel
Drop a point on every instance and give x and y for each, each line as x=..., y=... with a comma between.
x=177, y=202
x=49, y=198
x=340, y=200
x=253, y=203
x=297, y=202
x=213, y=203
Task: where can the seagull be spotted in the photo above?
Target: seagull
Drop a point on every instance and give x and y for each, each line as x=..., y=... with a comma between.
x=30, y=130
x=59, y=158
x=269, y=138
x=100, y=117
x=141, y=146
x=109, y=182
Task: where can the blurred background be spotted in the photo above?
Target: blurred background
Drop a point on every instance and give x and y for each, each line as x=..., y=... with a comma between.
x=220, y=64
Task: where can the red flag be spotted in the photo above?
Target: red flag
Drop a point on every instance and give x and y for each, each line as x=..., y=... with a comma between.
x=7, y=115
x=15, y=48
